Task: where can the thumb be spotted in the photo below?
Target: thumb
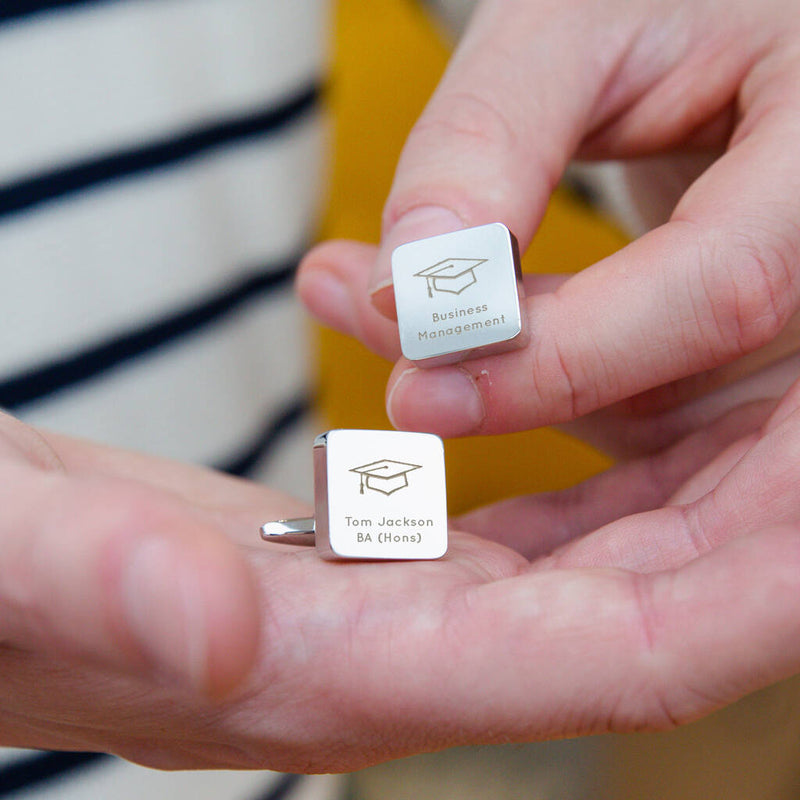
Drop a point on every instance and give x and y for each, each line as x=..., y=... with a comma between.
x=121, y=575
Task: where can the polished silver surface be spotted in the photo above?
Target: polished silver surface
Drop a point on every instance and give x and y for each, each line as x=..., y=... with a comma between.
x=458, y=295
x=379, y=495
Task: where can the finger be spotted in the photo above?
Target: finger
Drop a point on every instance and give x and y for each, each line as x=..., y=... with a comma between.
x=749, y=486
x=116, y=573
x=636, y=427
x=531, y=82
x=550, y=379
x=492, y=144
x=603, y=650
x=644, y=652
x=332, y=283
x=315, y=613
x=717, y=282
x=537, y=524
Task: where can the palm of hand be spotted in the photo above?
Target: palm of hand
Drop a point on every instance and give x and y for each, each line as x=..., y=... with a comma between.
x=358, y=663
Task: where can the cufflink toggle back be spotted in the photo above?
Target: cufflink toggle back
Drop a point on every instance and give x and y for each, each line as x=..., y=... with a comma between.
x=378, y=495
x=458, y=295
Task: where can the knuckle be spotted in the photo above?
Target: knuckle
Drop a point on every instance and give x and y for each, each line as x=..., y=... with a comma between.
x=657, y=706
x=462, y=140
x=753, y=274
x=572, y=381
x=471, y=120
x=569, y=385
x=554, y=385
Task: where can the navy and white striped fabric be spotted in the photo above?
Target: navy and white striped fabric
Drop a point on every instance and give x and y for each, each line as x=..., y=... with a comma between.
x=160, y=175
x=81, y=776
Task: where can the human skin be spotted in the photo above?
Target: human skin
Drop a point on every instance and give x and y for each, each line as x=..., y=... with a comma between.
x=244, y=654
x=679, y=311
x=678, y=354
x=645, y=598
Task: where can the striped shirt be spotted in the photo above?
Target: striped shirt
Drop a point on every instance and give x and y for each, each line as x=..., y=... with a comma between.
x=160, y=166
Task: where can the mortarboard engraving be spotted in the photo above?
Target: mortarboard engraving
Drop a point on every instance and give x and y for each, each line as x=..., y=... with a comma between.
x=385, y=476
x=451, y=275
x=383, y=514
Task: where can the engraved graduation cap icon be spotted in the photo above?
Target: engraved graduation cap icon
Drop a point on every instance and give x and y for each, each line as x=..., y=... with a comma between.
x=451, y=275
x=384, y=476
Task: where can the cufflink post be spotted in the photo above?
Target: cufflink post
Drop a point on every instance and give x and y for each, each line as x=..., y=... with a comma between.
x=290, y=531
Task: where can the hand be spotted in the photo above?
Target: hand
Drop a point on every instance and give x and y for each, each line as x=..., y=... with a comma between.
x=361, y=662
x=531, y=85
x=120, y=586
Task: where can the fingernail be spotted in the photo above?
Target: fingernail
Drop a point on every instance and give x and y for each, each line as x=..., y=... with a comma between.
x=445, y=401
x=418, y=223
x=165, y=612
x=328, y=299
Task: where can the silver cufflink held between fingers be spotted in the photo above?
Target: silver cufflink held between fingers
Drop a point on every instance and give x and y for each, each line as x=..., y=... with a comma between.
x=378, y=495
x=459, y=295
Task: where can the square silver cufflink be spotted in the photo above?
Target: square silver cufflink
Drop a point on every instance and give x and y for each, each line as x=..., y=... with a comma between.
x=459, y=295
x=378, y=495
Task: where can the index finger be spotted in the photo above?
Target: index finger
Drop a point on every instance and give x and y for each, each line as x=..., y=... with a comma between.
x=712, y=284
x=716, y=282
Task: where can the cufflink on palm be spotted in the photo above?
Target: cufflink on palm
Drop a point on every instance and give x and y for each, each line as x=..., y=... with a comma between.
x=459, y=295
x=378, y=495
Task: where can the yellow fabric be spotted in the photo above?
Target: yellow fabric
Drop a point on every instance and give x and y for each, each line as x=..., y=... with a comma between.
x=388, y=56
